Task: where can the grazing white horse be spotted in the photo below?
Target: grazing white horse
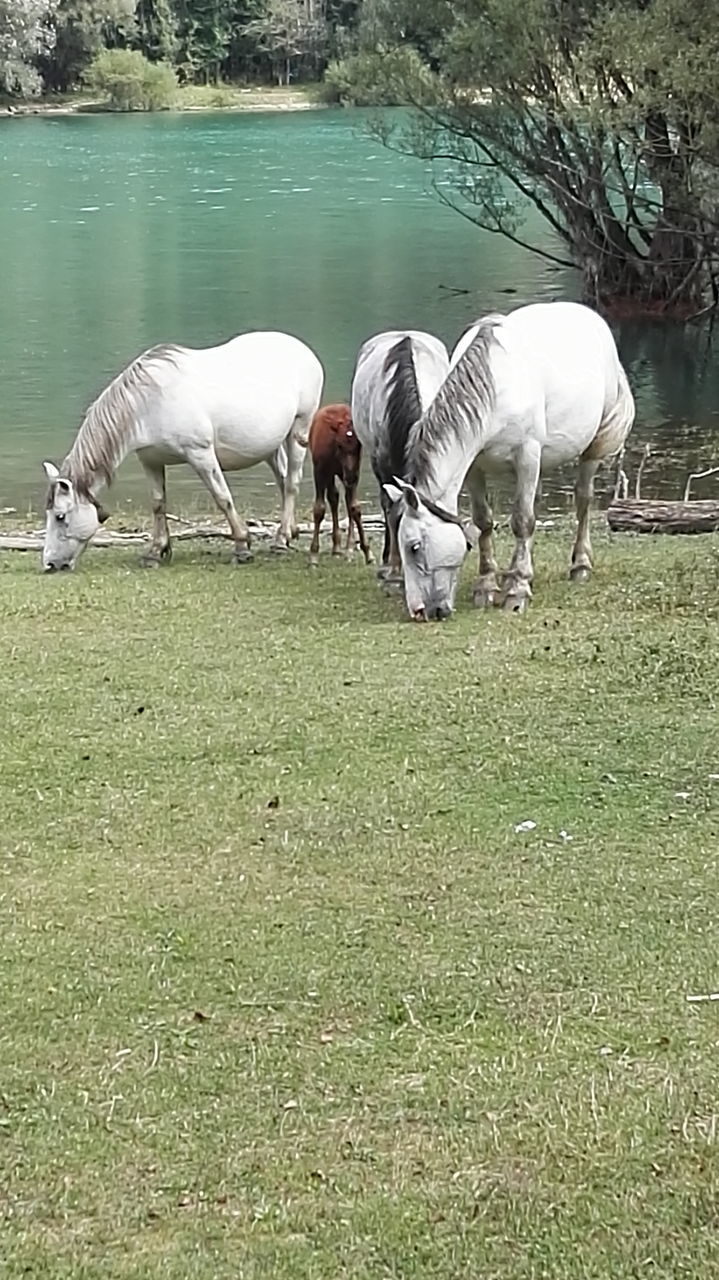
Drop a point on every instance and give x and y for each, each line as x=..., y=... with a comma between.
x=217, y=409
x=527, y=392
x=397, y=375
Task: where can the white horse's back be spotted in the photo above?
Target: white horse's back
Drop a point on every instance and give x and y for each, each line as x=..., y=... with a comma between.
x=557, y=376
x=370, y=387
x=245, y=394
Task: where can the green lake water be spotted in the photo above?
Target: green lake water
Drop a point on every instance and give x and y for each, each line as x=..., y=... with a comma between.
x=119, y=232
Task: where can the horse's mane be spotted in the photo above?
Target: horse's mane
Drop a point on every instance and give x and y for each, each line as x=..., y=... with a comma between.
x=462, y=404
x=102, y=440
x=403, y=409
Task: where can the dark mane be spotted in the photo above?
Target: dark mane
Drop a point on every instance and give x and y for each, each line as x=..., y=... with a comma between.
x=461, y=407
x=404, y=408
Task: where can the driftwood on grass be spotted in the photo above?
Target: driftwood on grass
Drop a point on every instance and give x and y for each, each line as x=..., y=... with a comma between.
x=640, y=515
x=632, y=515
x=260, y=530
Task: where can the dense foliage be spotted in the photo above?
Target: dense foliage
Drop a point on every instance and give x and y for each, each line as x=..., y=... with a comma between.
x=51, y=43
x=602, y=114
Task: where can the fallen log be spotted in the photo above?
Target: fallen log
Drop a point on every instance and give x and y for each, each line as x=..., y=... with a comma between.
x=32, y=540
x=634, y=515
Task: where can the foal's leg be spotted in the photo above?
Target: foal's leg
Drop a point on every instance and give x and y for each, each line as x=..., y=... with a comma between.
x=517, y=585
x=295, y=462
x=204, y=463
x=486, y=588
x=318, y=515
x=333, y=498
x=160, y=548
x=354, y=517
x=583, y=493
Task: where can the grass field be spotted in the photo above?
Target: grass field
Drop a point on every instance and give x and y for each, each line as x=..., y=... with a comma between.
x=284, y=993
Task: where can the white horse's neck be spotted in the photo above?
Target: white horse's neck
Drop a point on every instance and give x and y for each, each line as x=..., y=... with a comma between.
x=459, y=422
x=443, y=481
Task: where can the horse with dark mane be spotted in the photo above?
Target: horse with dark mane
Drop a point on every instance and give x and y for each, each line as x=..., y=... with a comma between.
x=336, y=455
x=397, y=375
x=527, y=392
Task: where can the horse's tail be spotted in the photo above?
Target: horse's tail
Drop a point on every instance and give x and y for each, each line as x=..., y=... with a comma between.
x=616, y=423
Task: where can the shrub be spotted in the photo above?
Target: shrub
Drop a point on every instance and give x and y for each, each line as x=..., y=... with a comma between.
x=129, y=82
x=374, y=79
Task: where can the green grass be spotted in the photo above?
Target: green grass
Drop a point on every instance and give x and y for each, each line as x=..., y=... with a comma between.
x=285, y=995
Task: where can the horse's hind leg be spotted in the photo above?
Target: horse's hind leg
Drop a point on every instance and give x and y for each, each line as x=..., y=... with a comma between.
x=581, y=566
x=205, y=465
x=486, y=588
x=517, y=585
x=296, y=451
x=160, y=548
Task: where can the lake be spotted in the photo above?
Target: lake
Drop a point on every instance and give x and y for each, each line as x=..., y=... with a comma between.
x=119, y=232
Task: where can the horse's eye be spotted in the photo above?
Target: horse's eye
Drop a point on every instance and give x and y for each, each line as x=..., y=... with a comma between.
x=416, y=546
x=60, y=516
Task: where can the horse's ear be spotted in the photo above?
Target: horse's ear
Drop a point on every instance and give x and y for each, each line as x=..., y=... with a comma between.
x=51, y=471
x=411, y=497
x=393, y=493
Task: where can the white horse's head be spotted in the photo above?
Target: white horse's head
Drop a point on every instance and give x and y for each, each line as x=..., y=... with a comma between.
x=71, y=520
x=432, y=544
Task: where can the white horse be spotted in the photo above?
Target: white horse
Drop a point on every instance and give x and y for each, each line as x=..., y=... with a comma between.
x=526, y=392
x=396, y=377
x=216, y=408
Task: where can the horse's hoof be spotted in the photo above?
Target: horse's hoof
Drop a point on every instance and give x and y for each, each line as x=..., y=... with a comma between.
x=383, y=572
x=244, y=557
x=150, y=561
x=580, y=573
x=393, y=586
x=166, y=554
x=483, y=599
x=279, y=548
x=337, y=551
x=369, y=558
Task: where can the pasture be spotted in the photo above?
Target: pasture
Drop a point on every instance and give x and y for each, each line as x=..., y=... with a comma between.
x=284, y=992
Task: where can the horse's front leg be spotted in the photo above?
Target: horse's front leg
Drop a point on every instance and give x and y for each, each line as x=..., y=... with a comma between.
x=205, y=465
x=581, y=567
x=160, y=548
x=333, y=498
x=318, y=515
x=486, y=588
x=354, y=517
x=517, y=585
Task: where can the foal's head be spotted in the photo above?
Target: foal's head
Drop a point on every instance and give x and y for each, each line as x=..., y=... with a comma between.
x=71, y=520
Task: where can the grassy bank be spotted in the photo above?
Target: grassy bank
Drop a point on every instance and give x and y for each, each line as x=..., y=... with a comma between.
x=223, y=97
x=285, y=993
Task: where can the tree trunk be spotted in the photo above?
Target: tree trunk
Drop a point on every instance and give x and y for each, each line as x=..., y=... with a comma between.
x=631, y=515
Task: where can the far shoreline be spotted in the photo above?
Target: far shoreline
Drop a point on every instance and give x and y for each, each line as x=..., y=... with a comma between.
x=199, y=98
